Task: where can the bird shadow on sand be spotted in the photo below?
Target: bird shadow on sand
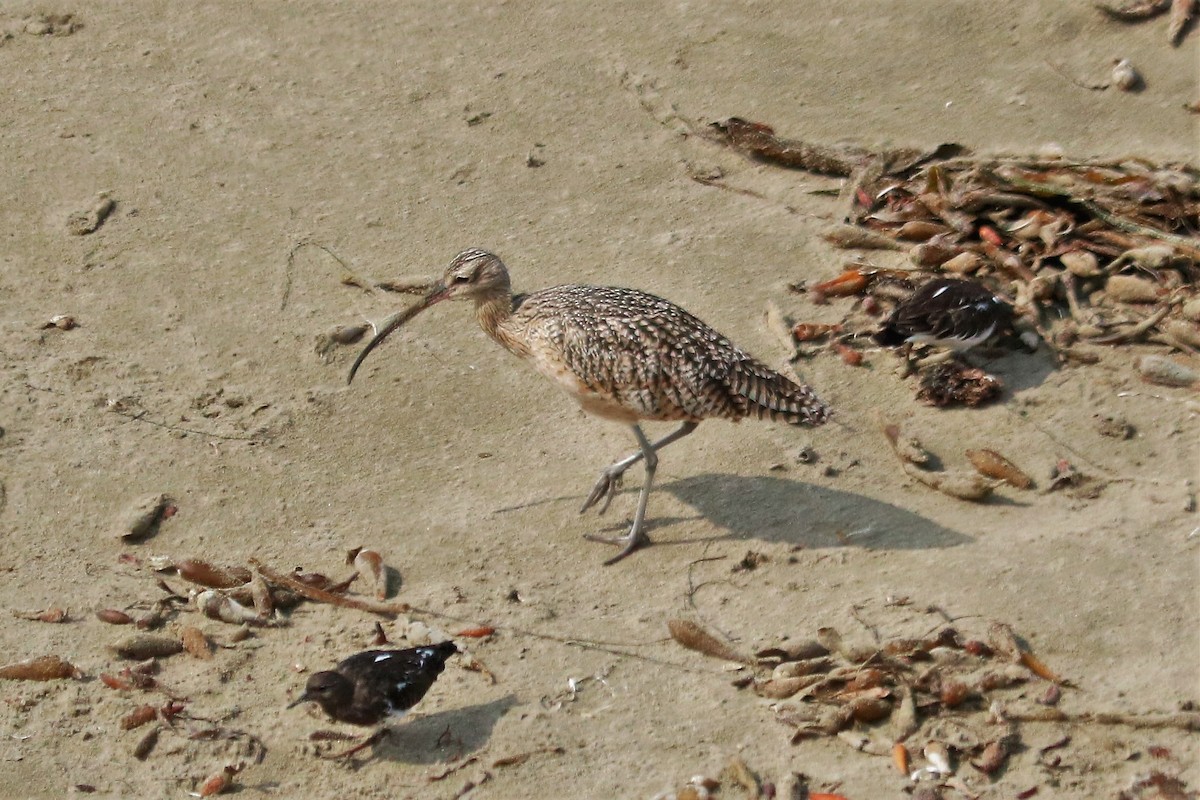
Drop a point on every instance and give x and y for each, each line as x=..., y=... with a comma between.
x=773, y=509
x=444, y=735
x=1017, y=369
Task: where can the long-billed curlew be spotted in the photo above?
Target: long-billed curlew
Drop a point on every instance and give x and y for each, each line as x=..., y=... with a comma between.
x=624, y=355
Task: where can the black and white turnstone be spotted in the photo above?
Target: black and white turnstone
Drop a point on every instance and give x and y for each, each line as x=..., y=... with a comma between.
x=368, y=687
x=946, y=312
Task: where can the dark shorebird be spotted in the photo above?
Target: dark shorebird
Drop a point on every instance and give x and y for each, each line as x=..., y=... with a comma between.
x=946, y=312
x=368, y=687
x=624, y=355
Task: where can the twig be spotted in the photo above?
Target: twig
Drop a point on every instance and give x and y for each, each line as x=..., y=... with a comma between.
x=1186, y=243
x=1094, y=87
x=1130, y=334
x=521, y=758
x=450, y=770
x=291, y=258
x=1188, y=721
x=140, y=416
x=389, y=610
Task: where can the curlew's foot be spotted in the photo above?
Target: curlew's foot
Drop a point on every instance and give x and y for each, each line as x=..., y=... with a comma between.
x=628, y=543
x=606, y=489
x=372, y=740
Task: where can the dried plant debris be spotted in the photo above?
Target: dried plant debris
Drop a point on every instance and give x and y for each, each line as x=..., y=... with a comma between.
x=1093, y=251
x=144, y=645
x=953, y=383
x=87, y=220
x=1181, y=14
x=993, y=465
x=933, y=705
x=54, y=614
x=142, y=518
x=1166, y=372
x=43, y=668
x=961, y=484
x=693, y=637
x=369, y=565
x=1156, y=785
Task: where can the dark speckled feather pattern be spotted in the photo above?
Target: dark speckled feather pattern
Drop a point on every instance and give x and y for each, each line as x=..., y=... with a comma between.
x=628, y=350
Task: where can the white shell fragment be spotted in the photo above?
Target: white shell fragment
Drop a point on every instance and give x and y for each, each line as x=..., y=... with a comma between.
x=1125, y=77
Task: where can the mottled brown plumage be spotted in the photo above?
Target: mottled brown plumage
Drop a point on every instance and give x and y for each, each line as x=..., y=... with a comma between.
x=624, y=355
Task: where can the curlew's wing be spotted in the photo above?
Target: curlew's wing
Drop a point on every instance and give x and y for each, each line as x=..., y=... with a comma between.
x=645, y=354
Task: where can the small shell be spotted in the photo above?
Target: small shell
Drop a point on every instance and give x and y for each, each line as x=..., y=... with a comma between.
x=851, y=237
x=848, y=283
x=261, y=596
x=993, y=757
x=918, y=230
x=44, y=668
x=994, y=465
x=935, y=253
x=798, y=650
x=369, y=564
x=795, y=669
x=907, y=447
x=850, y=356
x=211, y=575
x=1182, y=331
x=478, y=632
x=1165, y=372
x=114, y=617
x=953, y=693
x=195, y=642
x=869, y=709
x=693, y=637
x=142, y=518
x=215, y=605
x=963, y=263
x=141, y=646
x=146, y=744
x=64, y=322
x=808, y=331
x=961, y=484
x=52, y=614
x=938, y=757
x=84, y=221
x=347, y=334
x=1132, y=289
x=114, y=682
x=217, y=782
x=1081, y=263
x=865, y=679
x=782, y=688
x=138, y=717
x=900, y=758
x=1125, y=77
x=1181, y=13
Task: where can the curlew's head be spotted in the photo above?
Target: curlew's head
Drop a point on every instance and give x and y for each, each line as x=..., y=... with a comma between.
x=473, y=274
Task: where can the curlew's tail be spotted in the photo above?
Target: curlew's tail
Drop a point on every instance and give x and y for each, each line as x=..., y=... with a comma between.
x=766, y=393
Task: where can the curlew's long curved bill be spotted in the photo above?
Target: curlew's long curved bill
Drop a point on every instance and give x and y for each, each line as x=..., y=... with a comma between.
x=436, y=294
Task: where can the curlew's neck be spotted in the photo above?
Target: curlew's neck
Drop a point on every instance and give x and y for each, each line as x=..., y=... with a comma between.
x=492, y=311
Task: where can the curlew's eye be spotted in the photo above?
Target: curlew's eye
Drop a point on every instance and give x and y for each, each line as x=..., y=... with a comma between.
x=462, y=279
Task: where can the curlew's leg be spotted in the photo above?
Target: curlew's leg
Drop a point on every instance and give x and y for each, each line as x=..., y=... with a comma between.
x=610, y=479
x=607, y=485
